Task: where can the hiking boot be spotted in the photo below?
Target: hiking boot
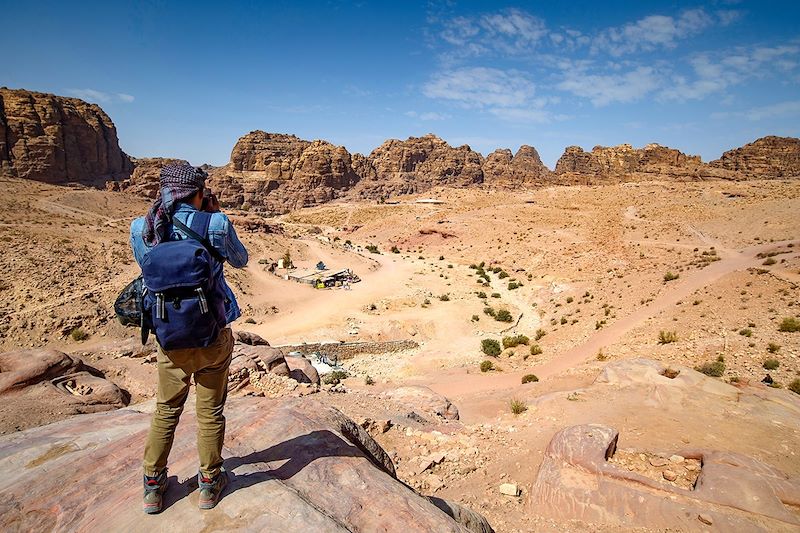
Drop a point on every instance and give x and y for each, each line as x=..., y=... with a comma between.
x=154, y=488
x=211, y=489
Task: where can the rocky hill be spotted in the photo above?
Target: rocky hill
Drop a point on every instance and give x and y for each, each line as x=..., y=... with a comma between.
x=523, y=169
x=615, y=164
x=55, y=139
x=144, y=178
x=767, y=157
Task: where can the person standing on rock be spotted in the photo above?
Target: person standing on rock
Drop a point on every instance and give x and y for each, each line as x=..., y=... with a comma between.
x=181, y=245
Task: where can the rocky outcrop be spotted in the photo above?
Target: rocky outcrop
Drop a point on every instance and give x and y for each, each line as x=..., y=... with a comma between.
x=767, y=157
x=416, y=165
x=523, y=169
x=55, y=139
x=279, y=173
x=294, y=465
x=144, y=178
x=615, y=164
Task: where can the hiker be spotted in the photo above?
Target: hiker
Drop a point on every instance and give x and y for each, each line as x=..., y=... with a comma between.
x=183, y=235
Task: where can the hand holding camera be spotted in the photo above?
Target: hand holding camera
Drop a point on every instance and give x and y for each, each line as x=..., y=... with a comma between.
x=210, y=201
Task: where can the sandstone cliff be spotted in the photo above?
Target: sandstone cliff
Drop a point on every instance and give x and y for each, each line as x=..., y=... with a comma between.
x=604, y=165
x=56, y=139
x=282, y=172
x=767, y=157
x=525, y=169
x=144, y=178
x=415, y=165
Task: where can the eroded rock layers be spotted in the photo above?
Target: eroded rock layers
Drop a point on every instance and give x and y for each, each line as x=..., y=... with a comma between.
x=767, y=157
x=56, y=139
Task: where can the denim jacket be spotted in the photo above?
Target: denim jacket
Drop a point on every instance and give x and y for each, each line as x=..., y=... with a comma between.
x=222, y=237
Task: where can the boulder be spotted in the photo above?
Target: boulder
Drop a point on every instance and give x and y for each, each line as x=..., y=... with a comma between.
x=295, y=466
x=23, y=368
x=577, y=482
x=302, y=371
x=424, y=400
x=55, y=139
x=245, y=337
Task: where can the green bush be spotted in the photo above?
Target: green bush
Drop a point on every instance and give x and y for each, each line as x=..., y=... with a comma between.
x=489, y=311
x=794, y=386
x=503, y=274
x=490, y=347
x=746, y=332
x=372, y=248
x=495, y=295
x=444, y=297
x=789, y=325
x=771, y=364
x=536, y=349
x=78, y=334
x=773, y=348
x=514, y=285
x=518, y=406
x=395, y=250
x=334, y=377
x=769, y=261
x=669, y=276
x=487, y=366
x=503, y=316
x=569, y=299
x=667, y=337
x=369, y=381
x=715, y=369
x=475, y=318
x=481, y=294
x=529, y=378
x=516, y=340
x=539, y=334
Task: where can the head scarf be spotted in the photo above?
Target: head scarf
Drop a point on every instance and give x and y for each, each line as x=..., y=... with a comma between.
x=178, y=182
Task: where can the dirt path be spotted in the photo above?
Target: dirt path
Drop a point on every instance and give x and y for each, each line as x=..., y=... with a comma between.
x=460, y=384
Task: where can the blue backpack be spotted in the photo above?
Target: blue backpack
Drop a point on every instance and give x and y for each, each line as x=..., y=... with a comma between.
x=183, y=301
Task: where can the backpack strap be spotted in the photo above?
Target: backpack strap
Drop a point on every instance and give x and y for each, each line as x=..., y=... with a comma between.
x=199, y=232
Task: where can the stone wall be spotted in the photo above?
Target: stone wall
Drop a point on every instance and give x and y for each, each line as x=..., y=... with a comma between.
x=348, y=350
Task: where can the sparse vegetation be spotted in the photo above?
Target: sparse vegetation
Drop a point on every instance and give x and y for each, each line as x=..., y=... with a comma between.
x=516, y=340
x=495, y=295
x=503, y=274
x=570, y=299
x=444, y=298
x=372, y=249
x=746, y=332
x=667, y=337
x=794, y=386
x=714, y=369
x=529, y=378
x=773, y=348
x=78, y=334
x=769, y=261
x=536, y=349
x=670, y=276
x=487, y=366
x=481, y=294
x=789, y=325
x=368, y=380
x=395, y=249
x=539, y=334
x=518, y=406
x=503, y=316
x=771, y=364
x=601, y=356
x=333, y=378
x=490, y=347
x=514, y=285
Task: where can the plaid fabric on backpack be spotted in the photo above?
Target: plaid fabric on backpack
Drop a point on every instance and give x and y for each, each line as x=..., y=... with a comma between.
x=184, y=302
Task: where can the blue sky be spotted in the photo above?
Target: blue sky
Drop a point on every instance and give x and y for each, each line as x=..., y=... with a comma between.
x=186, y=79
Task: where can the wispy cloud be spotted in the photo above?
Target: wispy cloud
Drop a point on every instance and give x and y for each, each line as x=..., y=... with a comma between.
x=779, y=110
x=509, y=31
x=604, y=89
x=427, y=115
x=100, y=97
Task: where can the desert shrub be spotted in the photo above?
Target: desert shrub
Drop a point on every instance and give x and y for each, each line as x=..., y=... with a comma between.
x=444, y=298
x=369, y=381
x=563, y=320
x=789, y=324
x=794, y=386
x=78, y=334
x=771, y=364
x=495, y=295
x=513, y=285
x=496, y=270
x=773, y=348
x=667, y=337
x=250, y=320
x=441, y=258
x=333, y=378
x=669, y=276
x=490, y=347
x=670, y=373
x=372, y=249
x=769, y=261
x=601, y=356
x=539, y=334
x=489, y=311
x=518, y=406
x=536, y=349
x=473, y=266
x=746, y=332
x=487, y=366
x=475, y=318
x=569, y=299
x=529, y=378
x=714, y=369
x=503, y=316
x=395, y=249
x=503, y=274
x=516, y=340
x=481, y=294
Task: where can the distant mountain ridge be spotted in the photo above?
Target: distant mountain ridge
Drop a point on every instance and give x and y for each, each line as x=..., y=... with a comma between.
x=58, y=140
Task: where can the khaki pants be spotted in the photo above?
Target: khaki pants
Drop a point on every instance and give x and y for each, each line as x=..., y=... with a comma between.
x=175, y=368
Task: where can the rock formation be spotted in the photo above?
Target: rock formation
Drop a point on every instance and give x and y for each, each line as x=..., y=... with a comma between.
x=767, y=157
x=615, y=164
x=525, y=169
x=294, y=465
x=144, y=178
x=280, y=172
x=415, y=165
x=56, y=139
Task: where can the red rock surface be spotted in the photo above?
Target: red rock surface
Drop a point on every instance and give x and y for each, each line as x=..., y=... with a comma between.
x=56, y=139
x=296, y=465
x=767, y=157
